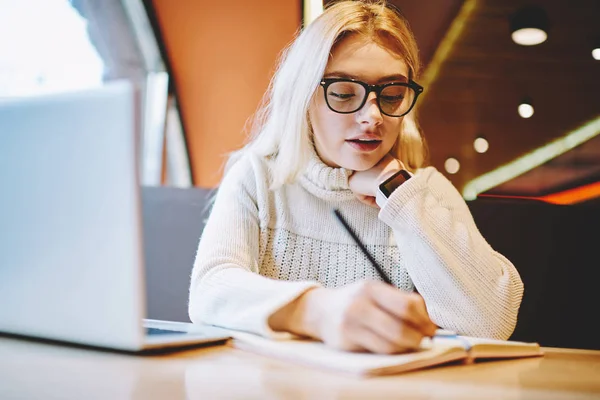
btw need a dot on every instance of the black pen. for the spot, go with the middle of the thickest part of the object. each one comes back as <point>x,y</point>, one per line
<point>361,246</point>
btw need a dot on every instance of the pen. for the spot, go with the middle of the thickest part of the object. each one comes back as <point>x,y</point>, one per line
<point>445,333</point>
<point>379,269</point>
<point>361,246</point>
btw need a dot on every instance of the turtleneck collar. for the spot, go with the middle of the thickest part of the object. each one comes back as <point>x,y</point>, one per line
<point>324,181</point>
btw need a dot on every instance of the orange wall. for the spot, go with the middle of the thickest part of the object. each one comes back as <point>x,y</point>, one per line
<point>222,55</point>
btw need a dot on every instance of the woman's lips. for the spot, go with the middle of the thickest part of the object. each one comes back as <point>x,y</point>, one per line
<point>364,145</point>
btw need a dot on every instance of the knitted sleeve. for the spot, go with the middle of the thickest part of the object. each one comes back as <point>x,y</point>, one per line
<point>467,286</point>
<point>226,289</point>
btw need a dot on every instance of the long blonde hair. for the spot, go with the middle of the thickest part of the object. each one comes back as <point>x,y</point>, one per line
<point>280,129</point>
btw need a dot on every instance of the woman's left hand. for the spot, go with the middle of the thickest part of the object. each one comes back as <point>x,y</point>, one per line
<point>364,184</point>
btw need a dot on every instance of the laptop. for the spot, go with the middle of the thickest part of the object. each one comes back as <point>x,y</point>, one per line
<point>71,241</point>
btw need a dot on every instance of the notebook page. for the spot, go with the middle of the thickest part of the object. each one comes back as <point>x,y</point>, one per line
<point>493,348</point>
<point>315,353</point>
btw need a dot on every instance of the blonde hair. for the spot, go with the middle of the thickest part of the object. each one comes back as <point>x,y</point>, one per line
<point>281,130</point>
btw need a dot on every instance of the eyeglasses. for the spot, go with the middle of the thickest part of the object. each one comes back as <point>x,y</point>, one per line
<point>346,96</point>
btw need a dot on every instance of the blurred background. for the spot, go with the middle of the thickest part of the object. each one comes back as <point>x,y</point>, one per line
<point>503,116</point>
<point>511,112</point>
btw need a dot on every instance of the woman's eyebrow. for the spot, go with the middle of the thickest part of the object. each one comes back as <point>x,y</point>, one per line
<point>338,74</point>
<point>393,78</point>
<point>387,78</point>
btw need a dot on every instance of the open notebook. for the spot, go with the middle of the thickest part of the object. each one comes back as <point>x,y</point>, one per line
<point>437,351</point>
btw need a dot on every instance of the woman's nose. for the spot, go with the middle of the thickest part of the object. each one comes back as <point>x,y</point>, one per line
<point>370,112</point>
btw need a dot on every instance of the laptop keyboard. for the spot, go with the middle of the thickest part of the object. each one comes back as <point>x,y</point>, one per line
<point>156,331</point>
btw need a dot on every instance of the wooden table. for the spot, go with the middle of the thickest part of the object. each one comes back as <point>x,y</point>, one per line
<point>32,370</point>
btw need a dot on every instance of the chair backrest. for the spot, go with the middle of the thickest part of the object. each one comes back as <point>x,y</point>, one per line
<point>557,259</point>
<point>173,222</point>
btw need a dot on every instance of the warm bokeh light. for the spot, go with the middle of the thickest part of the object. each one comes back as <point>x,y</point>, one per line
<point>525,110</point>
<point>596,53</point>
<point>529,36</point>
<point>481,145</point>
<point>452,165</point>
<point>531,160</point>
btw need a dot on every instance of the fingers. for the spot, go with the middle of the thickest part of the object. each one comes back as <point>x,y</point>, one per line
<point>375,343</point>
<point>394,334</point>
<point>375,317</point>
<point>408,307</point>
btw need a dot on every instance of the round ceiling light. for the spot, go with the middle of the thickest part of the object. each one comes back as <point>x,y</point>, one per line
<point>529,26</point>
<point>452,165</point>
<point>481,145</point>
<point>596,48</point>
<point>525,109</point>
<point>529,36</point>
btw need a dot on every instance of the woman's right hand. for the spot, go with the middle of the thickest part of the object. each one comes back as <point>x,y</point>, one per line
<point>364,316</point>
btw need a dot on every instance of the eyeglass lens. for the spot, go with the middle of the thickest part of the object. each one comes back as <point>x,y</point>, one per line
<point>347,97</point>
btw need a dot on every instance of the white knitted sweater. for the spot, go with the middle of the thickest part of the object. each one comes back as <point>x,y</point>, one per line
<point>261,249</point>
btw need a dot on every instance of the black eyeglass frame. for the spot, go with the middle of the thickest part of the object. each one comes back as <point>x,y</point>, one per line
<point>326,82</point>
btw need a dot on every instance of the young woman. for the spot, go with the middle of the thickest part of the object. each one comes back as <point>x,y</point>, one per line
<point>337,130</point>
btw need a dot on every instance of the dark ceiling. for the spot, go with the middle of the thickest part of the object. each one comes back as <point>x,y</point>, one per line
<point>484,77</point>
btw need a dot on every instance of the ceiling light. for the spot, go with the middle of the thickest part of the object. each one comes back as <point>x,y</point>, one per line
<point>481,145</point>
<point>596,49</point>
<point>452,165</point>
<point>529,26</point>
<point>526,108</point>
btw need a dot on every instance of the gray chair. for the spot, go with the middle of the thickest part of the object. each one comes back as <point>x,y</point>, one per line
<point>173,220</point>
<point>555,249</point>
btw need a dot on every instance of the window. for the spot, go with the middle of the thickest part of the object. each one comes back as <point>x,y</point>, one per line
<point>49,46</point>
<point>45,48</point>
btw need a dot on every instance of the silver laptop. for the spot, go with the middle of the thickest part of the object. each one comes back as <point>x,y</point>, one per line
<point>71,245</point>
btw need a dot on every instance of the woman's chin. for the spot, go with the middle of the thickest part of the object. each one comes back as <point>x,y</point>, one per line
<point>358,165</point>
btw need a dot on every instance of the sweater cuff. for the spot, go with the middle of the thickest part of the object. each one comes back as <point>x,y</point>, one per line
<point>392,211</point>
<point>243,300</point>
